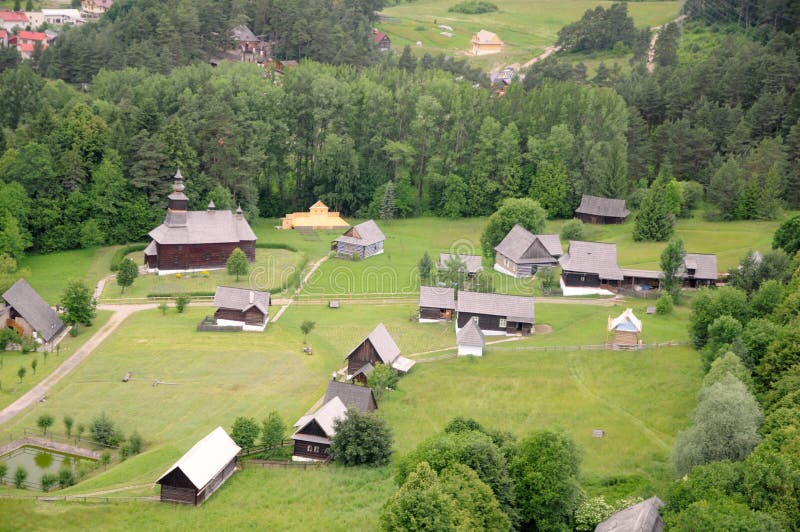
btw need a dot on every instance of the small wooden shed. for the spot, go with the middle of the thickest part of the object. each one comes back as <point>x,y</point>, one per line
<point>470,340</point>
<point>626,329</point>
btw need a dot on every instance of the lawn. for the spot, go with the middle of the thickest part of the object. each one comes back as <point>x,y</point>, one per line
<point>10,361</point>
<point>525,26</point>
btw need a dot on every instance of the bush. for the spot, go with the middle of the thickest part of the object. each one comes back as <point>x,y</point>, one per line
<point>245,432</point>
<point>104,431</point>
<point>66,478</point>
<point>47,481</point>
<point>181,301</point>
<point>20,476</point>
<point>131,447</point>
<point>473,7</point>
<point>361,439</point>
<point>573,230</point>
<point>664,304</point>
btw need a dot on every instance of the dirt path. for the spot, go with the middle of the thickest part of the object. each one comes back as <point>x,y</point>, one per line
<point>651,53</point>
<point>287,303</point>
<point>550,50</point>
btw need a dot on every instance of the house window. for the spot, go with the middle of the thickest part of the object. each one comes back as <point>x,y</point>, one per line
<point>310,448</point>
<point>475,320</point>
<point>503,323</point>
<point>316,448</point>
<point>583,278</point>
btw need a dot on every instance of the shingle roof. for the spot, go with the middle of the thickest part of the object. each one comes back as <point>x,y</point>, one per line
<point>473,262</point>
<point>325,417</point>
<point>436,297</point>
<point>151,248</point>
<point>518,242</point>
<point>34,309</point>
<point>368,233</point>
<point>206,458</point>
<point>592,257</point>
<point>471,335</point>
<point>241,298</point>
<point>642,274</point>
<point>383,343</point>
<point>521,308</point>
<point>598,206</point>
<point>204,227</point>
<point>641,517</point>
<point>360,397</point>
<point>705,266</point>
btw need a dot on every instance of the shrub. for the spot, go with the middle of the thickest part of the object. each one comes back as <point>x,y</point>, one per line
<point>473,7</point>
<point>66,478</point>
<point>181,301</point>
<point>573,230</point>
<point>361,439</point>
<point>131,447</point>
<point>664,304</point>
<point>47,481</point>
<point>20,476</point>
<point>104,431</point>
<point>245,432</point>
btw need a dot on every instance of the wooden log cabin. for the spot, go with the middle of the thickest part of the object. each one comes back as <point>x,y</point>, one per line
<point>590,268</point>
<point>313,433</point>
<point>521,253</point>
<point>377,348</point>
<point>27,313</point>
<point>496,314</point>
<point>472,263</point>
<point>597,210</point>
<point>698,270</point>
<point>201,471</point>
<point>242,306</point>
<point>436,304</point>
<point>363,240</point>
<point>352,395</point>
<point>197,240</point>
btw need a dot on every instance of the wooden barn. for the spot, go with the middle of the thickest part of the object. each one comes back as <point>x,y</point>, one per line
<point>473,263</point>
<point>625,329</point>
<point>201,471</point>
<point>521,252</point>
<point>436,304</point>
<point>27,313</point>
<point>242,306</point>
<point>312,437</point>
<point>377,348</point>
<point>496,314</point>
<point>698,270</point>
<point>352,395</point>
<point>197,240</point>
<point>363,240</point>
<point>597,210</point>
<point>470,340</point>
<point>590,268</point>
<point>641,517</point>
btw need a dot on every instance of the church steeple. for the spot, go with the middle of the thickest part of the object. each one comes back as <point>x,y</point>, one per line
<point>178,203</point>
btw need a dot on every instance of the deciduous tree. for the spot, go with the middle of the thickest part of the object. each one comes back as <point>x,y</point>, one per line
<point>237,263</point>
<point>128,271</point>
<point>361,439</point>
<point>524,211</point>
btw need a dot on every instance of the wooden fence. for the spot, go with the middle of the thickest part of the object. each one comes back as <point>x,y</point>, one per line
<point>282,464</point>
<point>79,498</point>
<point>261,448</point>
<point>595,347</point>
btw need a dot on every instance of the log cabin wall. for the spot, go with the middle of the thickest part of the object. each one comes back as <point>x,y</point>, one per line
<point>361,356</point>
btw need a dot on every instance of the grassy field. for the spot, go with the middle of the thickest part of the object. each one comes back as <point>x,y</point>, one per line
<point>525,26</point>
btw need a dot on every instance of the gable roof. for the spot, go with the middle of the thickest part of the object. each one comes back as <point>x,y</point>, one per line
<point>597,206</point>
<point>519,245</point>
<point>242,33</point>
<point>641,517</point>
<point>206,458</point>
<point>592,257</point>
<point>515,308</point>
<point>625,322</point>
<point>360,397</point>
<point>704,265</point>
<point>473,262</point>
<point>13,16</point>
<point>437,297</point>
<point>324,417</point>
<point>379,36</point>
<point>319,205</point>
<point>32,35</point>
<point>204,227</point>
<point>363,234</point>
<point>241,299</point>
<point>383,343</point>
<point>471,335</point>
<point>34,309</point>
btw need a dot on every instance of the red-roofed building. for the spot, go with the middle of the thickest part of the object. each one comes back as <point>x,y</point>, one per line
<point>13,19</point>
<point>382,40</point>
<point>25,42</point>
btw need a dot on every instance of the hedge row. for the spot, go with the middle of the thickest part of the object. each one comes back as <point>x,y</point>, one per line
<point>121,253</point>
<point>275,245</point>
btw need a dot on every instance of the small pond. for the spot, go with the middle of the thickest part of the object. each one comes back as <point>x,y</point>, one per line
<point>38,462</point>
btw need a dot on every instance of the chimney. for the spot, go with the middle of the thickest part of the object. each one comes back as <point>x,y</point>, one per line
<point>252,297</point>
<point>239,213</point>
<point>211,207</point>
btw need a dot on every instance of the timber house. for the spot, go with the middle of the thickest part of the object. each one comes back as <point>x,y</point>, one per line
<point>352,395</point>
<point>521,252</point>
<point>496,314</point>
<point>201,471</point>
<point>436,304</point>
<point>377,348</point>
<point>197,240</point>
<point>312,437</point>
<point>27,313</point>
<point>697,270</point>
<point>363,240</point>
<point>597,210</point>
<point>473,263</point>
<point>242,307</point>
<point>590,268</point>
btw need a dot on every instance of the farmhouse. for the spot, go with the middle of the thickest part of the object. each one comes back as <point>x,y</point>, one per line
<point>641,517</point>
<point>201,471</point>
<point>597,210</point>
<point>312,439</point>
<point>382,41</point>
<point>590,268</point>
<point>485,43</point>
<point>470,340</point>
<point>96,7</point>
<point>197,240</point>
<point>242,306</point>
<point>13,19</point>
<point>317,217</point>
<point>521,252</point>
<point>496,314</point>
<point>472,262</point>
<point>377,348</point>
<point>436,304</point>
<point>699,269</point>
<point>625,329</point>
<point>28,314</point>
<point>352,395</point>
<point>25,42</point>
<point>364,240</point>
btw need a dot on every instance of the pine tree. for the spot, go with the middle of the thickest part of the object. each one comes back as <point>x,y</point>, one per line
<point>655,219</point>
<point>387,208</point>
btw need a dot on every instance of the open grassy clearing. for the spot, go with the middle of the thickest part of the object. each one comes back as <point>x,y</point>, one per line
<point>525,26</point>
<point>12,388</point>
